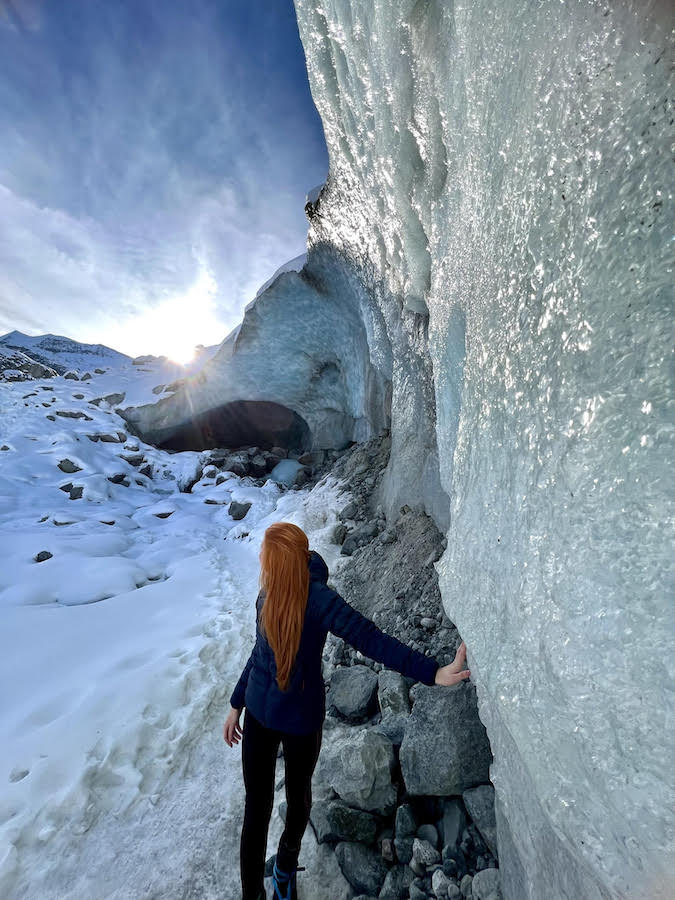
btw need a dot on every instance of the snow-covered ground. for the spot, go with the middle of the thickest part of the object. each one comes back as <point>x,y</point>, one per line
<point>118,653</point>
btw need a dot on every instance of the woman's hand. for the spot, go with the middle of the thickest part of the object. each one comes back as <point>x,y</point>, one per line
<point>454,673</point>
<point>232,731</point>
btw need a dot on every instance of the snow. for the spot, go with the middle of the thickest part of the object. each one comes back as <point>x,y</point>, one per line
<point>293,265</point>
<point>119,652</point>
<point>499,186</point>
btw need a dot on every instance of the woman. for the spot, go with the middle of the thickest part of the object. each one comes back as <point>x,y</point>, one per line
<point>283,691</point>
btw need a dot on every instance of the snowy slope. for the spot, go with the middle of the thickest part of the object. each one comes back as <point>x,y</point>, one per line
<point>62,353</point>
<point>118,651</point>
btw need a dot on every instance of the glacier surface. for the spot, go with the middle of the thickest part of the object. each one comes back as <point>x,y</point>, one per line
<point>497,214</point>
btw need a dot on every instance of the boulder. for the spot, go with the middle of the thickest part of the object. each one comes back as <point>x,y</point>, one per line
<point>42,556</point>
<point>73,376</point>
<point>335,821</point>
<point>428,833</point>
<point>358,767</point>
<point>486,885</point>
<point>445,749</point>
<point>352,693</point>
<point>258,466</point>
<point>405,823</point>
<point>480,804</point>
<point>362,866</point>
<point>238,510</point>
<point>452,823</point>
<point>393,728</point>
<point>425,853</point>
<point>439,884</point>
<point>392,693</point>
<point>465,885</point>
<point>69,467</point>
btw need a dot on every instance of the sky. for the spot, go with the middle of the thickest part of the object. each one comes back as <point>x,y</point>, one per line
<point>154,161</point>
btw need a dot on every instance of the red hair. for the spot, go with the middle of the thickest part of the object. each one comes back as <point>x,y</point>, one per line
<point>284,578</point>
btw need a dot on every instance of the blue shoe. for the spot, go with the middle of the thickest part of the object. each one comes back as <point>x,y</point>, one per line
<point>284,883</point>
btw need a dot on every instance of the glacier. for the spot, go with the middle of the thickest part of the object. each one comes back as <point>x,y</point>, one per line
<point>499,184</point>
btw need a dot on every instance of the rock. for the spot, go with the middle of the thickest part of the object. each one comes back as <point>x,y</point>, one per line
<point>117,478</point>
<point>281,452</point>
<point>348,512</point>
<point>428,833</point>
<point>66,488</point>
<point>439,884</point>
<point>480,804</point>
<point>387,850</point>
<point>42,556</point>
<point>392,693</point>
<point>147,470</point>
<point>403,847</point>
<point>76,492</point>
<point>86,376</point>
<point>417,893</point>
<point>99,371</point>
<point>258,466</point>
<point>445,749</point>
<point>454,862</point>
<point>428,623</point>
<point>237,464</point>
<point>396,884</point>
<point>4,447</point>
<point>238,510</point>
<point>333,820</point>
<point>405,824</point>
<point>134,459</point>
<point>465,885</point>
<point>339,533</point>
<point>158,389</point>
<point>486,885</point>
<point>425,853</point>
<point>78,396</point>
<point>359,768</point>
<point>352,693</point>
<point>71,414</point>
<point>393,728</point>
<point>452,823</point>
<point>69,467</point>
<point>164,515</point>
<point>454,892</point>
<point>362,866</point>
<point>73,376</point>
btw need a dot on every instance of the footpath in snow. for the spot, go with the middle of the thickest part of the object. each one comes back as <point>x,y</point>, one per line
<point>120,648</point>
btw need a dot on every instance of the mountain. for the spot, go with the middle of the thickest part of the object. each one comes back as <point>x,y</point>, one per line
<point>62,353</point>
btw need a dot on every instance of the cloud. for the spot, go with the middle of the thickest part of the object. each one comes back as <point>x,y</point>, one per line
<point>168,144</point>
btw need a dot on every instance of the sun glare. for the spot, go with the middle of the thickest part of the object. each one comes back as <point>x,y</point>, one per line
<point>174,327</point>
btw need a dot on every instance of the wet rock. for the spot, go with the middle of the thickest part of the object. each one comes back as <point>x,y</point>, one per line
<point>486,885</point>
<point>42,556</point>
<point>353,693</point>
<point>335,821</point>
<point>362,866</point>
<point>359,769</point>
<point>69,467</point>
<point>480,804</point>
<point>445,749</point>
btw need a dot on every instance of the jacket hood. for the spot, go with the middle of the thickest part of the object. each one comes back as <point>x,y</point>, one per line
<point>318,570</point>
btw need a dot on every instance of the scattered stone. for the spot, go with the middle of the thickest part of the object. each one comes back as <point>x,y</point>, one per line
<point>117,478</point>
<point>4,447</point>
<point>340,533</point>
<point>51,418</point>
<point>387,850</point>
<point>405,824</point>
<point>164,515</point>
<point>78,396</point>
<point>362,866</point>
<point>480,804</point>
<point>42,556</point>
<point>66,488</point>
<point>335,821</point>
<point>86,376</point>
<point>69,467</point>
<point>439,884</point>
<point>147,470</point>
<point>76,493</point>
<point>134,459</point>
<point>403,847</point>
<point>425,853</point>
<point>359,770</point>
<point>486,885</point>
<point>158,389</point>
<point>73,376</point>
<point>238,510</point>
<point>353,693</point>
<point>445,749</point>
<point>396,883</point>
<point>71,414</point>
<point>348,512</point>
<point>99,371</point>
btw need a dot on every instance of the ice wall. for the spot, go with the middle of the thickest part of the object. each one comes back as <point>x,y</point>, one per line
<point>499,183</point>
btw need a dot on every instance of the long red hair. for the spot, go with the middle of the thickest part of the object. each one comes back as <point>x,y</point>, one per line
<point>284,579</point>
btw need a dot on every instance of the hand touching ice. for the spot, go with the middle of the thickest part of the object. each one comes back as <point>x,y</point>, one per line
<point>455,672</point>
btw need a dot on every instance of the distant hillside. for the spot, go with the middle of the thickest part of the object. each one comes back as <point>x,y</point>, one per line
<point>62,353</point>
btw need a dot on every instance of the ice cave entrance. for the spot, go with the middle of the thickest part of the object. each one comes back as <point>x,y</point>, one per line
<point>242,423</point>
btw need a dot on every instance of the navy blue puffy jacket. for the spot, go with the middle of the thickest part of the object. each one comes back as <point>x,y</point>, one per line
<point>302,707</point>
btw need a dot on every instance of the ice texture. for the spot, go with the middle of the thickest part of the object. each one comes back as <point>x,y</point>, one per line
<point>498,205</point>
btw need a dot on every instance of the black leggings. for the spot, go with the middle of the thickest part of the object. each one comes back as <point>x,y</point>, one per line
<point>259,755</point>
